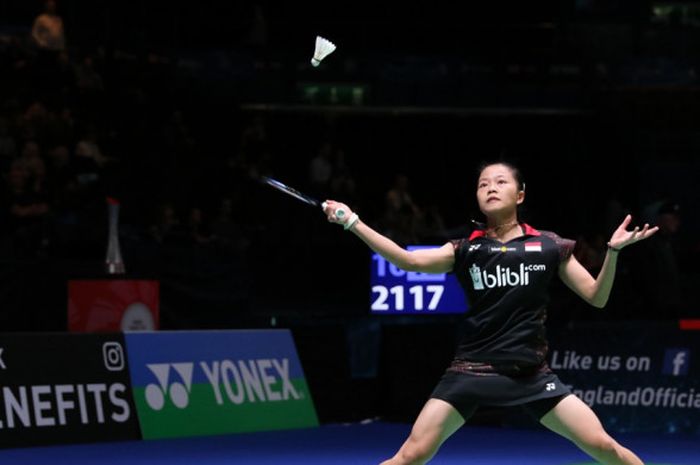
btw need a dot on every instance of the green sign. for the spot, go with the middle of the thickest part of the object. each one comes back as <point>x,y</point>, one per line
<point>218,382</point>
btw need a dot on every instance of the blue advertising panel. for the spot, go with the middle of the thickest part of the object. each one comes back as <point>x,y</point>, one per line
<point>638,377</point>
<point>396,291</point>
<point>216,382</point>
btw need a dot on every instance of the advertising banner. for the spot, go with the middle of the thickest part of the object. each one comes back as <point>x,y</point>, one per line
<point>216,382</point>
<point>64,388</point>
<point>636,377</point>
<point>112,305</point>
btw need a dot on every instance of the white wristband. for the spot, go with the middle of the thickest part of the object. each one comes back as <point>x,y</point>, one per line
<point>351,221</point>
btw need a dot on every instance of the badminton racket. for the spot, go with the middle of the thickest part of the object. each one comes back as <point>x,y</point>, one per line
<point>280,186</point>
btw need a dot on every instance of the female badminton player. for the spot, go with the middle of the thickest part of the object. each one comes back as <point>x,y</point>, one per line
<point>505,269</point>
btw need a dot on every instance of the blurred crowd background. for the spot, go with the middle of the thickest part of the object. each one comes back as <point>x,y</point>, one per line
<point>176,108</point>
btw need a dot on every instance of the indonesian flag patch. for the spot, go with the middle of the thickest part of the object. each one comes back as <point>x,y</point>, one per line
<point>533,247</point>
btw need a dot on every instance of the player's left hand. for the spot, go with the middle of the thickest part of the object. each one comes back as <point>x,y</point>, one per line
<point>622,237</point>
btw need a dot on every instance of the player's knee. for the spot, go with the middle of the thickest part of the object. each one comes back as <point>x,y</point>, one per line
<point>416,452</point>
<point>414,456</point>
<point>601,446</point>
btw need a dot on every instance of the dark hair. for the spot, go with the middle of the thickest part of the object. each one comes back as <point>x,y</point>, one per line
<point>515,171</point>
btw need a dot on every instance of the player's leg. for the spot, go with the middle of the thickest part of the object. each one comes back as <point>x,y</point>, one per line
<point>574,420</point>
<point>436,422</point>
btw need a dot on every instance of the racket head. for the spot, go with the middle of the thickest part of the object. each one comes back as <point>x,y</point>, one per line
<point>280,186</point>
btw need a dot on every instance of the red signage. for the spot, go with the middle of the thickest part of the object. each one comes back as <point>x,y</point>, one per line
<point>109,305</point>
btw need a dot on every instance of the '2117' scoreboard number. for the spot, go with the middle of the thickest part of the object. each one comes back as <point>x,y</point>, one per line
<point>396,291</point>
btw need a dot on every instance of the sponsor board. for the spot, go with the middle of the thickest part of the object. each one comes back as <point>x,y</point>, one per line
<point>217,382</point>
<point>64,388</point>
<point>636,377</point>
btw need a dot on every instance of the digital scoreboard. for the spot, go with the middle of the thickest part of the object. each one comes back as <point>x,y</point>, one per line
<point>396,291</point>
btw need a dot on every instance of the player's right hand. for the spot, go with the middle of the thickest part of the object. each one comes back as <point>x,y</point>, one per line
<point>332,207</point>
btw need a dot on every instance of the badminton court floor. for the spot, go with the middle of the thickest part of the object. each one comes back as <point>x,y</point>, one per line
<point>355,444</point>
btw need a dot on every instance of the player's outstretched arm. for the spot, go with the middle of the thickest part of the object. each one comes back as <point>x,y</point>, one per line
<point>597,291</point>
<point>439,260</point>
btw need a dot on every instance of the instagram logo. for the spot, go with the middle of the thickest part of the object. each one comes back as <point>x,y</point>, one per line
<point>113,356</point>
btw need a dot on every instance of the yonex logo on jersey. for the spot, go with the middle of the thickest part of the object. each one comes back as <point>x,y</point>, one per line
<point>474,247</point>
<point>503,277</point>
<point>550,387</point>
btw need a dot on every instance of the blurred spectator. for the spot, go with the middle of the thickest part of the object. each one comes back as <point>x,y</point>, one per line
<point>61,128</point>
<point>400,212</point>
<point>62,183</point>
<point>88,80</point>
<point>89,167</point>
<point>35,166</point>
<point>199,229</point>
<point>27,210</point>
<point>49,37</point>
<point>167,227</point>
<point>343,184</point>
<point>659,278</point>
<point>254,156</point>
<point>254,139</point>
<point>177,135</point>
<point>615,212</point>
<point>227,231</point>
<point>62,189</point>
<point>32,124</point>
<point>47,30</point>
<point>64,77</point>
<point>88,149</point>
<point>321,169</point>
<point>8,146</point>
<point>257,30</point>
<point>590,251</point>
<point>430,226</point>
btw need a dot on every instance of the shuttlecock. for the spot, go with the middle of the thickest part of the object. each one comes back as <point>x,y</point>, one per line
<point>324,47</point>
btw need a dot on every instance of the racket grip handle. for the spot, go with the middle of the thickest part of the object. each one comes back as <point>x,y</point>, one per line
<point>339,212</point>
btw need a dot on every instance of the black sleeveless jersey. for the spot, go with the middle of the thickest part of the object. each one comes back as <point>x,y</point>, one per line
<point>507,287</point>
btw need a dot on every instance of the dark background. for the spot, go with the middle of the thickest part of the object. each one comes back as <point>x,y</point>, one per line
<point>596,101</point>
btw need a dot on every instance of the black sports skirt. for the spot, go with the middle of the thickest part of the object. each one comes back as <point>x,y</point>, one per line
<point>466,385</point>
